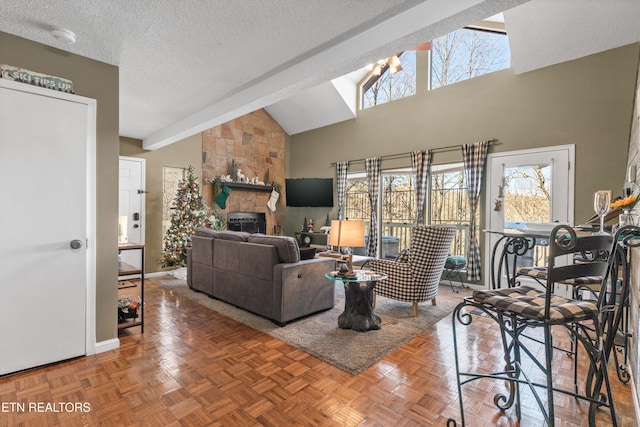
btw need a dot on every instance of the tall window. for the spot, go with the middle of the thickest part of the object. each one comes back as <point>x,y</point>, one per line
<point>447,204</point>
<point>398,209</point>
<point>389,86</point>
<point>357,204</point>
<point>467,53</point>
<point>397,203</point>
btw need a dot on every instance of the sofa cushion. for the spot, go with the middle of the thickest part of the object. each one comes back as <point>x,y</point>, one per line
<point>236,236</point>
<point>202,250</point>
<point>206,232</point>
<point>287,247</point>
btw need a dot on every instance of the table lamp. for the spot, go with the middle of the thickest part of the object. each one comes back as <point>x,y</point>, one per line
<point>347,233</point>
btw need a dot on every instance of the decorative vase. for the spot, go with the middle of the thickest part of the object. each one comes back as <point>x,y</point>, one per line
<point>626,218</point>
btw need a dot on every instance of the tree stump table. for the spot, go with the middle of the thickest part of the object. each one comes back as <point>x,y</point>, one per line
<point>358,300</point>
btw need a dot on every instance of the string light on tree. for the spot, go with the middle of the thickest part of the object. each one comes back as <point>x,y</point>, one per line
<point>188,212</point>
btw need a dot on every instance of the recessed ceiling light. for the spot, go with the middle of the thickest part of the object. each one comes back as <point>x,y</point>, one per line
<point>64,34</point>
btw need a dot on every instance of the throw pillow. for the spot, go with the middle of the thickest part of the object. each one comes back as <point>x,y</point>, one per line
<point>403,256</point>
<point>455,262</point>
<point>307,253</point>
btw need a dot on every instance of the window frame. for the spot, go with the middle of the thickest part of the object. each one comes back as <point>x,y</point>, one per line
<point>436,169</point>
<point>370,79</point>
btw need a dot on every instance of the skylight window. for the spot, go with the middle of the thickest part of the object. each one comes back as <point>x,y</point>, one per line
<point>389,86</point>
<point>467,53</point>
<point>461,55</point>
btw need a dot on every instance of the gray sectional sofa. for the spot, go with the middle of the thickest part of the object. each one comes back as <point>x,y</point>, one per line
<point>259,273</point>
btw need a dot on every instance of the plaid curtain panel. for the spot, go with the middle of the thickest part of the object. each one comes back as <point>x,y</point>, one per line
<point>372,167</point>
<point>474,156</point>
<point>341,186</point>
<point>421,165</point>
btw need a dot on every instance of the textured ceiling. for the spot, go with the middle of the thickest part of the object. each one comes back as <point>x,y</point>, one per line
<point>191,64</point>
<point>547,32</point>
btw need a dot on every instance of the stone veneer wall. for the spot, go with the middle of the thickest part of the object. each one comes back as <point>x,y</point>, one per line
<point>633,181</point>
<point>256,142</point>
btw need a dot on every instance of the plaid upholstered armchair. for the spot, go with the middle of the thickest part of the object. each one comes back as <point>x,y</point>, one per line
<point>414,277</point>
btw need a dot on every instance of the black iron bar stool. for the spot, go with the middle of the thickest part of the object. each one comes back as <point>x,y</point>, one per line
<point>591,323</point>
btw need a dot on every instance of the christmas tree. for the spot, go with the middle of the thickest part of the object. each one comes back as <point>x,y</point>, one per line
<point>188,213</point>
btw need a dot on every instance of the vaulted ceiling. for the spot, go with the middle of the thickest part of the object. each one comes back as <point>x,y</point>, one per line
<point>189,65</point>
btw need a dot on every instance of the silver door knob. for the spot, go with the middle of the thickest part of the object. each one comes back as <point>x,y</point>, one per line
<point>76,244</point>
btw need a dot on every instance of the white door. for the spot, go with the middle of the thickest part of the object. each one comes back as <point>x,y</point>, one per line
<point>131,206</point>
<point>528,186</point>
<point>45,224</point>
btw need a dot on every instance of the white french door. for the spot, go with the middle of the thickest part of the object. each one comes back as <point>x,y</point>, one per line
<point>528,186</point>
<point>131,206</point>
<point>47,230</point>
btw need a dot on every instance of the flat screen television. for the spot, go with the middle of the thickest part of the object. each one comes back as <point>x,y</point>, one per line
<point>309,192</point>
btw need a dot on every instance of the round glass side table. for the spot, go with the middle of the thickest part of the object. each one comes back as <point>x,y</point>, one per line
<point>358,300</point>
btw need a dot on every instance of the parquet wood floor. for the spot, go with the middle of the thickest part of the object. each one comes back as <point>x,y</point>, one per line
<point>195,367</point>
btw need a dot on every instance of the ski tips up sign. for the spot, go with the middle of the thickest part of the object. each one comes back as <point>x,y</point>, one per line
<point>10,72</point>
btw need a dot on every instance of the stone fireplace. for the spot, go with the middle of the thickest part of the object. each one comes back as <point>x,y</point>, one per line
<point>256,143</point>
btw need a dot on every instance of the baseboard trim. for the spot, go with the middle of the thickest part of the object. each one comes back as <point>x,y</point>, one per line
<point>159,273</point>
<point>634,394</point>
<point>107,345</point>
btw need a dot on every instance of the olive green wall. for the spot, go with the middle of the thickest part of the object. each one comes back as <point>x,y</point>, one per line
<point>99,81</point>
<point>180,154</point>
<point>587,102</point>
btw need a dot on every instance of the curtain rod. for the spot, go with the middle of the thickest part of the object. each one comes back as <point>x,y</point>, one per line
<point>493,141</point>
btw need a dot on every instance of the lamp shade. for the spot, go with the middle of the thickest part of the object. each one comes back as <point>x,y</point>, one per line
<point>347,233</point>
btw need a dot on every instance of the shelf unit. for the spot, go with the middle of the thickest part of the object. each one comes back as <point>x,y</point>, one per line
<point>124,272</point>
<point>317,239</point>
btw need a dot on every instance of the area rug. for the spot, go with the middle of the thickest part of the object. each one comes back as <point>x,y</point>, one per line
<point>319,334</point>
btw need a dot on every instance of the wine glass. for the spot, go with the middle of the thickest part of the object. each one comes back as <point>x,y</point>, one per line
<point>601,202</point>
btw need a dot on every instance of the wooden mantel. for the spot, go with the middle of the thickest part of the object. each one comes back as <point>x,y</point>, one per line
<point>242,185</point>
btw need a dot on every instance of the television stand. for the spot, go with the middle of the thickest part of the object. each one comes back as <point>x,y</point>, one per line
<point>306,239</point>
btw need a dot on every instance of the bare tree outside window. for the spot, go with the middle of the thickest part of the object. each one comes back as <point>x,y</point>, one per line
<point>467,53</point>
<point>448,198</point>
<point>457,56</point>
<point>357,200</point>
<point>527,193</point>
<point>398,204</point>
<point>447,201</point>
<point>391,86</point>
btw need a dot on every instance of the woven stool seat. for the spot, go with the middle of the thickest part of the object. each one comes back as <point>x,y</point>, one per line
<point>529,303</point>
<point>540,273</point>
